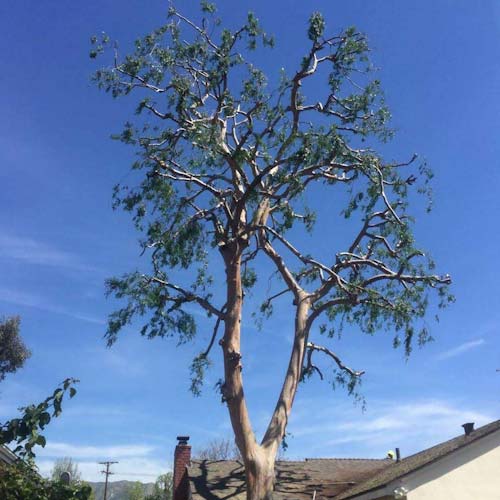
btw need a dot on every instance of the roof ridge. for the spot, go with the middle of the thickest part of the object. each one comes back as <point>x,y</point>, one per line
<point>421,459</point>
<point>478,433</point>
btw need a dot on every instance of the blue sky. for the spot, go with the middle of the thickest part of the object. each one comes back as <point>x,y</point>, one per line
<point>59,238</point>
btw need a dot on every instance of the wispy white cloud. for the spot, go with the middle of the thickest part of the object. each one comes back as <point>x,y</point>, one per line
<point>123,359</point>
<point>30,300</point>
<point>7,410</point>
<point>55,449</point>
<point>461,349</point>
<point>15,394</point>
<point>136,462</point>
<point>413,426</point>
<point>101,413</point>
<point>125,365</point>
<point>31,251</point>
<point>145,470</point>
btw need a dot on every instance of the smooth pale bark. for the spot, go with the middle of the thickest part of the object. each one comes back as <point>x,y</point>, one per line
<point>259,459</point>
<point>279,420</point>
<point>232,390</point>
<point>260,475</point>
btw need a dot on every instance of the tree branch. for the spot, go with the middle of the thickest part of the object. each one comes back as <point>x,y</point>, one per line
<point>338,361</point>
<point>188,295</point>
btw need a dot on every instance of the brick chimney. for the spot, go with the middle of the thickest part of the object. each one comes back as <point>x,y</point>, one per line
<point>182,459</point>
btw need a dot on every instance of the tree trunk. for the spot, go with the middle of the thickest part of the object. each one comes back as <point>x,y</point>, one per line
<point>232,390</point>
<point>277,426</point>
<point>260,475</point>
<point>260,459</point>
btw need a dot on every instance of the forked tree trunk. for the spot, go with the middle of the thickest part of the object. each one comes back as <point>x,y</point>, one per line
<point>260,477</point>
<point>259,459</point>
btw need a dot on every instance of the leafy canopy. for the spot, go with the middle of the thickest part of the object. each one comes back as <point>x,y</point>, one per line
<point>13,351</point>
<point>226,159</point>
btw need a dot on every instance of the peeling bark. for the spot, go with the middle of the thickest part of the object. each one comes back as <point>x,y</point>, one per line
<point>279,420</point>
<point>260,459</point>
<point>260,475</point>
<point>233,380</point>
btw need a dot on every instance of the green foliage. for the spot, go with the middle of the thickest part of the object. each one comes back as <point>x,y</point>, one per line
<point>199,366</point>
<point>145,296</point>
<point>13,351</point>
<point>25,431</point>
<point>20,481</point>
<point>135,492</point>
<point>207,7</point>
<point>66,464</point>
<point>226,160</point>
<point>163,488</point>
<point>316,26</point>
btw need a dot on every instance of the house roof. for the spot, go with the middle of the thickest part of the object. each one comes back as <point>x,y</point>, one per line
<point>7,456</point>
<point>415,462</point>
<point>331,478</point>
<point>297,480</point>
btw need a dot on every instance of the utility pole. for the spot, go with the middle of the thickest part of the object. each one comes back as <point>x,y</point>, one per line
<point>108,473</point>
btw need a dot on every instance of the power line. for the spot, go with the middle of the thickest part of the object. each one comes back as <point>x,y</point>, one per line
<point>108,473</point>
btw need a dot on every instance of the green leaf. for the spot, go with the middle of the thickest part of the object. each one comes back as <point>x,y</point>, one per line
<point>316,26</point>
<point>41,441</point>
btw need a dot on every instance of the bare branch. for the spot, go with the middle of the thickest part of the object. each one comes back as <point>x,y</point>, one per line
<point>338,361</point>
<point>188,296</point>
<point>201,31</point>
<point>214,335</point>
<point>280,264</point>
<point>310,366</point>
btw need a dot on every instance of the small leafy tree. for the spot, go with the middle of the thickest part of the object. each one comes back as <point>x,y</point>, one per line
<point>66,464</point>
<point>13,351</point>
<point>162,489</point>
<point>227,158</point>
<point>135,491</point>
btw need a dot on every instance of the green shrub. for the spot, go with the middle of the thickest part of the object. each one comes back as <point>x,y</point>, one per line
<point>21,482</point>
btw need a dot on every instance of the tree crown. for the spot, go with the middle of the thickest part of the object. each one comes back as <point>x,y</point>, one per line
<point>226,158</point>
<point>13,351</point>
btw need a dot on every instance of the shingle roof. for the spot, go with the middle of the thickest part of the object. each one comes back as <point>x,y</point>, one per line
<point>297,480</point>
<point>331,478</point>
<point>417,461</point>
<point>7,456</point>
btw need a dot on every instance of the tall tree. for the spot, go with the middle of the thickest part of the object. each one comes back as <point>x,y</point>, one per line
<point>227,158</point>
<point>162,489</point>
<point>13,351</point>
<point>66,464</point>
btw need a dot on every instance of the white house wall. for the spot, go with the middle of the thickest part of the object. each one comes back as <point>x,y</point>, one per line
<point>471,473</point>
